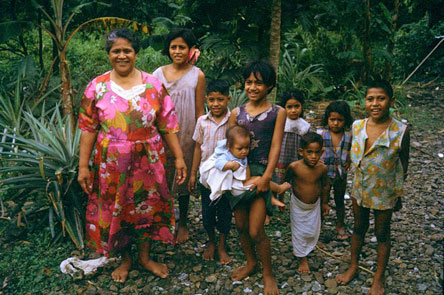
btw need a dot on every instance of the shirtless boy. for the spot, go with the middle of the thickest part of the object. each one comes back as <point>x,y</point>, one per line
<point>309,195</point>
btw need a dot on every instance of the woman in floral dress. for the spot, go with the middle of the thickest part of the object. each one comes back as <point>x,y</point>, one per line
<point>124,115</point>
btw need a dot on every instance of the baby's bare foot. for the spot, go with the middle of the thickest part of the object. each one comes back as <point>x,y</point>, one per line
<point>276,202</point>
<point>182,234</point>
<point>243,272</point>
<point>303,265</point>
<point>270,286</point>
<point>121,272</point>
<point>224,258</point>
<point>208,254</point>
<point>158,269</point>
<point>345,277</point>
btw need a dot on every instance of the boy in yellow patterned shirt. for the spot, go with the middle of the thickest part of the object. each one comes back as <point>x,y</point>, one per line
<point>380,155</point>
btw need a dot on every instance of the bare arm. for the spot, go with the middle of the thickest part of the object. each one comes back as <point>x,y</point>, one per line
<point>196,161</point>
<point>173,143</point>
<point>404,154</point>
<point>87,140</point>
<point>325,189</point>
<point>200,94</point>
<point>232,119</point>
<point>263,184</point>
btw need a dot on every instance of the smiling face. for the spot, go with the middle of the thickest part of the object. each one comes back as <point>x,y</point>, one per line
<point>122,56</point>
<point>336,122</point>
<point>377,104</point>
<point>311,154</point>
<point>179,50</point>
<point>240,147</point>
<point>293,108</point>
<point>255,88</point>
<point>217,103</point>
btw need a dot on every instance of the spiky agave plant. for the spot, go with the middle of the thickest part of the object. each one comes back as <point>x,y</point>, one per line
<point>44,160</point>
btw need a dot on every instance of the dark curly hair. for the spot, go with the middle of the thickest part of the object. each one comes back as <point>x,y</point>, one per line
<point>340,107</point>
<point>186,34</point>
<point>124,33</point>
<point>264,68</point>
<point>294,93</point>
<point>380,84</point>
<point>311,137</point>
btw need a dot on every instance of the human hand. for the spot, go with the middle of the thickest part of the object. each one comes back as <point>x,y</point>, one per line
<point>181,171</point>
<point>346,166</point>
<point>192,183</point>
<point>84,179</point>
<point>325,209</point>
<point>262,184</point>
<point>398,205</point>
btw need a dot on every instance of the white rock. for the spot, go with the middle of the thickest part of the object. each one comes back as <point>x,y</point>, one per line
<point>441,155</point>
<point>373,240</point>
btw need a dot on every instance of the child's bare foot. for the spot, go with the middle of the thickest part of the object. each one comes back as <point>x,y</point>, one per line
<point>208,254</point>
<point>342,234</point>
<point>377,288</point>
<point>276,202</point>
<point>303,265</point>
<point>243,272</point>
<point>182,234</point>
<point>345,277</point>
<point>282,188</point>
<point>224,258</point>
<point>121,272</point>
<point>267,218</point>
<point>158,269</point>
<point>270,286</point>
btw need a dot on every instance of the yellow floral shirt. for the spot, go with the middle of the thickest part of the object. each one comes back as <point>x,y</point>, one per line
<point>378,174</point>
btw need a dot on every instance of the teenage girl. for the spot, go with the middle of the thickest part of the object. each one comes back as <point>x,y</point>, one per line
<point>266,125</point>
<point>186,85</point>
<point>337,144</point>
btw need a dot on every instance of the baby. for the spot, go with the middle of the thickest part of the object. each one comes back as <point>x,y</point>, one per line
<point>227,169</point>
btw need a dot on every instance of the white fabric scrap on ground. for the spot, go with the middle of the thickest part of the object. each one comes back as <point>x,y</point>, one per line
<point>73,265</point>
<point>305,225</point>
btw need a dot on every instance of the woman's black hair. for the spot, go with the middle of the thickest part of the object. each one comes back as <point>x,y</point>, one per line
<point>264,68</point>
<point>236,131</point>
<point>124,33</point>
<point>311,137</point>
<point>340,107</point>
<point>294,93</point>
<point>186,34</point>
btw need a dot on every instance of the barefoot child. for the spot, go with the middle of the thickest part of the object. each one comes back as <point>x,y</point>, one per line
<point>380,155</point>
<point>211,128</point>
<point>185,84</point>
<point>337,145</point>
<point>309,196</point>
<point>266,125</point>
<point>227,170</point>
<point>295,127</point>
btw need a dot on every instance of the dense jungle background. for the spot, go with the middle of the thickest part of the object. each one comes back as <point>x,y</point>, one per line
<point>51,49</point>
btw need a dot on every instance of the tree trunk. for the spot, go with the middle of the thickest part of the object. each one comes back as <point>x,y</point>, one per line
<point>366,48</point>
<point>42,65</point>
<point>66,88</point>
<point>391,44</point>
<point>275,41</point>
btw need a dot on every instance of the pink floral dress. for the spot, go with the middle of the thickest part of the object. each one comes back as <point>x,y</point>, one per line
<point>130,200</point>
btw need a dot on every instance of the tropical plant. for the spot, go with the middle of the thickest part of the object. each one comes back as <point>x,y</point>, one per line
<point>238,97</point>
<point>44,161</point>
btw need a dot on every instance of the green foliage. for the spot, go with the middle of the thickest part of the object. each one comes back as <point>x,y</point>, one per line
<point>238,97</point>
<point>44,160</point>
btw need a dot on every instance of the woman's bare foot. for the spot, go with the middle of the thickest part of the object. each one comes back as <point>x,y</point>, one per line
<point>270,286</point>
<point>158,269</point>
<point>121,272</point>
<point>276,202</point>
<point>243,272</point>
<point>303,265</point>
<point>208,254</point>
<point>345,277</point>
<point>224,258</point>
<point>377,288</point>
<point>283,188</point>
<point>182,234</point>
